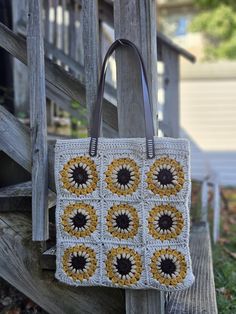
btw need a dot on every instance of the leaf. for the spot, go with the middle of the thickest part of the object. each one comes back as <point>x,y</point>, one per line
<point>75,104</point>
<point>232,254</point>
<point>232,220</point>
<point>226,227</point>
<point>225,292</point>
<point>223,241</point>
<point>221,290</point>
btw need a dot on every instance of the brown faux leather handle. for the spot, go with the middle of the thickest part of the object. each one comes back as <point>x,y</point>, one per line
<point>97,113</point>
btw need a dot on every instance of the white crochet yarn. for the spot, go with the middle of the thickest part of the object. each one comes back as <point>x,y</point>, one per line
<point>142,200</point>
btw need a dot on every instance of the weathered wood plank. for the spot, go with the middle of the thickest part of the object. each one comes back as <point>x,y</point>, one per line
<point>24,189</point>
<point>132,22</point>
<point>15,139</point>
<point>47,33</point>
<point>20,76</point>
<point>136,21</point>
<point>91,57</point>
<point>58,81</point>
<point>79,34</point>
<point>15,142</point>
<point>204,200</point>
<point>63,26</point>
<point>20,189</point>
<point>64,102</point>
<point>216,208</point>
<point>19,265</point>
<point>64,58</point>
<point>76,66</point>
<point>55,23</point>
<point>15,204</point>
<point>38,122</point>
<point>46,5</point>
<point>72,29</point>
<point>56,76</point>
<point>200,297</point>
<point>171,115</point>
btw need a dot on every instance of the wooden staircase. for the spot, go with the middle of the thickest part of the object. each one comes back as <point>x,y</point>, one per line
<point>22,262</point>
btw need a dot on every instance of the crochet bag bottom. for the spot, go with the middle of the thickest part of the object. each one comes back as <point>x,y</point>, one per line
<point>99,258</point>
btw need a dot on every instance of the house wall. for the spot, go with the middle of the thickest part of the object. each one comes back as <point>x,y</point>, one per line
<point>208,113</point>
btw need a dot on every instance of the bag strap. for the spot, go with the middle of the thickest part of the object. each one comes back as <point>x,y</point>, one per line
<point>97,112</point>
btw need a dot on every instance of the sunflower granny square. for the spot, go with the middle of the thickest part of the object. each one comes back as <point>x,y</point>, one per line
<point>122,219</point>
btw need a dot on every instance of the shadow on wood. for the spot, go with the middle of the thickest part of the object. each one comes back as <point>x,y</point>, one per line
<point>23,271</point>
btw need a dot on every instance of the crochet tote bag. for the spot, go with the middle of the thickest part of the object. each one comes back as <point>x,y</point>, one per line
<point>122,212</point>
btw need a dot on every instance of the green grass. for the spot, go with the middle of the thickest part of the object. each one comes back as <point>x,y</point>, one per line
<point>223,263</point>
<point>225,280</point>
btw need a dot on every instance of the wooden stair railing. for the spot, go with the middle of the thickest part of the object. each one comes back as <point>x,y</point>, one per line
<point>23,269</point>
<point>60,85</point>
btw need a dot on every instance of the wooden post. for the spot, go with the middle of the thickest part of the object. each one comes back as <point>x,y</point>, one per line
<point>136,20</point>
<point>38,121</point>
<point>171,86</point>
<point>91,55</point>
<point>216,209</point>
<point>20,77</point>
<point>79,48</point>
<point>204,201</point>
<point>63,32</point>
<point>72,29</point>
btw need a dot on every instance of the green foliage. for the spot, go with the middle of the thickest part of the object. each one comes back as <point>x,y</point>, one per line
<point>21,115</point>
<point>225,277</point>
<point>75,104</point>
<point>210,4</point>
<point>218,24</point>
<point>224,257</point>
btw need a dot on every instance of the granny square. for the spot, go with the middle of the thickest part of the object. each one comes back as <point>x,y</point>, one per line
<point>122,219</point>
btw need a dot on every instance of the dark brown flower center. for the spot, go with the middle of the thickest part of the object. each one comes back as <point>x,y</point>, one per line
<point>123,176</point>
<point>165,177</point>
<point>124,266</point>
<point>122,221</point>
<point>80,175</point>
<point>79,220</point>
<point>168,266</point>
<point>165,222</point>
<point>78,262</point>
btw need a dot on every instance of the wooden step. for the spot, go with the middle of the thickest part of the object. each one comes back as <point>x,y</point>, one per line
<point>21,189</point>
<point>201,297</point>
<point>24,271</point>
<point>19,265</point>
<point>24,189</point>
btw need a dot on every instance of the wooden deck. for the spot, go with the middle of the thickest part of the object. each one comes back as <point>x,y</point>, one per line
<point>200,298</point>
<point>23,271</point>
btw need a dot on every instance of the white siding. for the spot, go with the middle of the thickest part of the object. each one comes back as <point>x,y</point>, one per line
<point>208,114</point>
